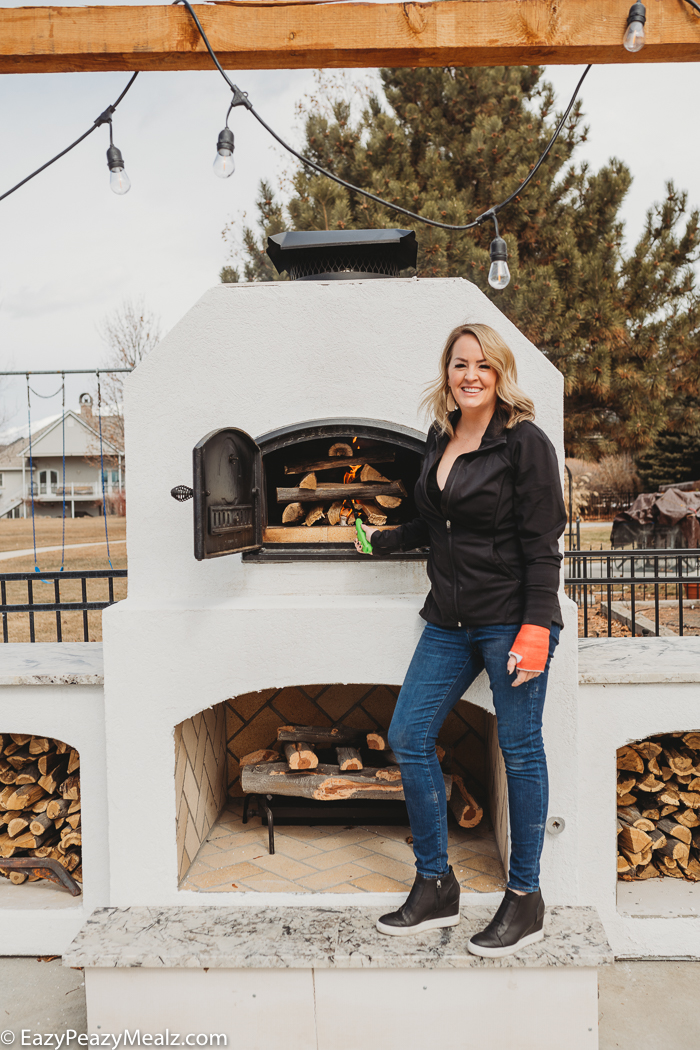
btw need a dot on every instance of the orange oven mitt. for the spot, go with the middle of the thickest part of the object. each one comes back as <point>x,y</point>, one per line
<point>531,647</point>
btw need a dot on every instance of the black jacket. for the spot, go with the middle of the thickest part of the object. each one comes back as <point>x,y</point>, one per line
<point>494,550</point>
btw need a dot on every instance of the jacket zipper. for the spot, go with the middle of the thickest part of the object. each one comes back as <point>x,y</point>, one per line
<point>454,573</point>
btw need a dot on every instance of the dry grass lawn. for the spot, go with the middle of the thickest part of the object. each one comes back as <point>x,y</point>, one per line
<point>16,534</point>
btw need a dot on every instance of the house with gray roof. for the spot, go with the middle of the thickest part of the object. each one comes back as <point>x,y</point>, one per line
<point>42,479</point>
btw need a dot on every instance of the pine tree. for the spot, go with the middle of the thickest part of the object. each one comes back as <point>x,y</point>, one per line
<point>623,328</point>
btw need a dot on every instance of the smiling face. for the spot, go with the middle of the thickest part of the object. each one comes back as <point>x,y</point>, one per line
<point>471,379</point>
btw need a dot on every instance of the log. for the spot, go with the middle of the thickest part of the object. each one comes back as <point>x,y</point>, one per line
<point>40,823</point>
<point>389,502</point>
<point>6,815</point>
<point>677,831</point>
<point>27,840</point>
<point>323,784</point>
<point>689,817</point>
<point>348,758</point>
<point>347,515</point>
<point>314,515</point>
<point>20,738</point>
<point>466,809</point>
<point>651,814</point>
<point>17,825</point>
<point>633,840</point>
<point>377,742</point>
<point>691,799</point>
<point>684,778</point>
<point>649,872</point>
<point>8,846</point>
<point>626,800</point>
<point>300,755</point>
<point>650,783</point>
<point>73,762</point>
<point>19,759</point>
<point>308,482</point>
<point>38,745</point>
<point>337,461</point>
<point>73,820</point>
<point>28,775</point>
<point>667,866</point>
<point>373,513</point>
<point>346,492</point>
<point>679,762</point>
<point>333,512</point>
<point>658,838</point>
<point>24,796</point>
<point>440,752</point>
<point>48,762</point>
<point>628,758</point>
<point>667,810</point>
<point>8,774</point>
<point>665,773</point>
<point>648,749</point>
<point>623,864</point>
<point>626,783</point>
<point>50,781</point>
<point>322,736</point>
<point>57,807</point>
<point>340,448</point>
<point>70,788</point>
<point>674,849</point>
<point>71,837</point>
<point>256,758</point>
<point>292,512</point>
<point>368,473</point>
<point>633,858</point>
<point>692,740</point>
<point>5,795</point>
<point>61,747</point>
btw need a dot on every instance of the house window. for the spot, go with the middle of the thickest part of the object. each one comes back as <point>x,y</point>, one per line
<point>52,476</point>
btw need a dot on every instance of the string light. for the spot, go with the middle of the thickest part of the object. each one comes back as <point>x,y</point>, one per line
<point>634,38</point>
<point>499,274</point>
<point>224,164</point>
<point>104,118</point>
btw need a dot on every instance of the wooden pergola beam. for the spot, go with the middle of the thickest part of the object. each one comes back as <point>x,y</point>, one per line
<point>302,35</point>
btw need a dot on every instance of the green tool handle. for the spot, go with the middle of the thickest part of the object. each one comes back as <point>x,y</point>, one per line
<point>364,542</point>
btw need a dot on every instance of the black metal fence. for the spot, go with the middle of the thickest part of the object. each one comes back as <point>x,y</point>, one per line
<point>41,585</point>
<point>644,592</point>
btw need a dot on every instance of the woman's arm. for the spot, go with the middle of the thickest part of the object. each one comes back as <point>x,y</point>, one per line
<point>541,520</point>
<point>403,538</point>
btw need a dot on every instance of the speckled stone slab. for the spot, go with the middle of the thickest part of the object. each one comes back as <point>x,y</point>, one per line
<point>616,661</point>
<point>52,663</point>
<point>319,938</point>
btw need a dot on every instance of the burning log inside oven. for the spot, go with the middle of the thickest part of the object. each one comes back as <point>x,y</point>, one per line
<point>40,809</point>
<point>658,808</point>
<point>326,783</point>
<point>338,460</point>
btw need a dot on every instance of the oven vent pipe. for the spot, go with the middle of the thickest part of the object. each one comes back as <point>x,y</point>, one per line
<point>342,255</point>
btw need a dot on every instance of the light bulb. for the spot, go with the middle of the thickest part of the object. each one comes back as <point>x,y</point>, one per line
<point>119,181</point>
<point>499,274</point>
<point>634,38</point>
<point>224,164</point>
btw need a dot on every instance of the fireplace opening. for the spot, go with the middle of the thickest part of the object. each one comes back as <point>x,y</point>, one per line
<point>320,477</point>
<point>658,809</point>
<point>343,851</point>
<point>40,817</point>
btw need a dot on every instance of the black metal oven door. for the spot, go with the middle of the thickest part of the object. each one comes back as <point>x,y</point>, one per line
<point>227,494</point>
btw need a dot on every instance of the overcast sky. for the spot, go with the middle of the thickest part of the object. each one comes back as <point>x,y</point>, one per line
<point>72,250</point>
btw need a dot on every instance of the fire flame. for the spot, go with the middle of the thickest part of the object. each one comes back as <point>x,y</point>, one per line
<point>350,474</point>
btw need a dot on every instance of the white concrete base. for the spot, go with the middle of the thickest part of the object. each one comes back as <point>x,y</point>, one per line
<point>305,1009</point>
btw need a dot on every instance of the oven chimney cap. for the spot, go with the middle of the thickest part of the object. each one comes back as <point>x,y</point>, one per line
<point>339,255</point>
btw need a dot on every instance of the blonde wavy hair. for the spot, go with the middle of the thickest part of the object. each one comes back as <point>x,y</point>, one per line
<point>437,398</point>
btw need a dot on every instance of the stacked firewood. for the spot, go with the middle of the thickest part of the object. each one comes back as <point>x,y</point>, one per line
<point>364,767</point>
<point>39,803</point>
<point>658,808</point>
<point>360,490</point>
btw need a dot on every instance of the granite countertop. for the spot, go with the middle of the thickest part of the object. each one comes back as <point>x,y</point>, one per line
<point>322,938</point>
<point>613,661</point>
<point>51,663</point>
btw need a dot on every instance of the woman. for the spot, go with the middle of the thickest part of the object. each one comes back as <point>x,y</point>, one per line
<point>491,510</point>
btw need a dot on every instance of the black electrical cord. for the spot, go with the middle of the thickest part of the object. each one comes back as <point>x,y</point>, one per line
<point>104,118</point>
<point>240,98</point>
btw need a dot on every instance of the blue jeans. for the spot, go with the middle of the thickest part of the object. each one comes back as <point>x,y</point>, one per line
<point>444,665</point>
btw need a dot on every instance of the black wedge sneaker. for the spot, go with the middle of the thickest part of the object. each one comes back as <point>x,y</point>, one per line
<point>517,923</point>
<point>431,904</point>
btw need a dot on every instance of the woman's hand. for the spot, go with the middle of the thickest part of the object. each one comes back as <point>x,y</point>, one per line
<point>522,676</point>
<point>368,534</point>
